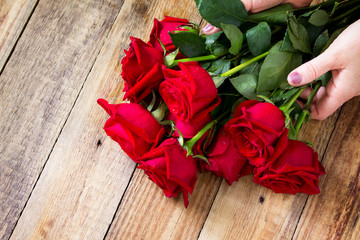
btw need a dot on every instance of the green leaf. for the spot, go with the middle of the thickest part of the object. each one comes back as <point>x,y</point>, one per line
<point>286,45</point>
<point>212,38</point>
<point>253,68</point>
<point>276,67</point>
<point>222,11</point>
<point>235,36</point>
<point>320,43</point>
<point>170,58</point>
<point>325,78</point>
<point>259,38</point>
<point>219,67</point>
<point>333,37</point>
<point>319,18</point>
<point>284,95</point>
<point>214,43</point>
<point>246,85</point>
<point>275,15</point>
<point>191,45</point>
<point>298,36</point>
<point>218,81</point>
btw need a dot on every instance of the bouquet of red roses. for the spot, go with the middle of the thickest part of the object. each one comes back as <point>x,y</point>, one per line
<point>221,103</point>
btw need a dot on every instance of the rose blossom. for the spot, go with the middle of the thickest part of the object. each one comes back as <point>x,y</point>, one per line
<point>256,126</point>
<point>141,70</point>
<point>133,127</point>
<point>190,92</point>
<point>293,168</point>
<point>226,160</point>
<point>161,31</point>
<point>170,168</point>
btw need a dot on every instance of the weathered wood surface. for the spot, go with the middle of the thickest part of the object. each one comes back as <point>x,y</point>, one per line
<point>334,214</point>
<point>38,89</point>
<point>82,183</point>
<point>14,15</point>
<point>62,178</point>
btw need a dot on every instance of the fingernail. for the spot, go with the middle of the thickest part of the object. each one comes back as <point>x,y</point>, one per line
<point>208,28</point>
<point>295,78</point>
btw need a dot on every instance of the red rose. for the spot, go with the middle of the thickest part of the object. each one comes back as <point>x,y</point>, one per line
<point>190,92</point>
<point>141,70</point>
<point>294,168</point>
<point>168,166</point>
<point>191,128</point>
<point>161,31</point>
<point>226,160</point>
<point>133,127</point>
<point>256,126</point>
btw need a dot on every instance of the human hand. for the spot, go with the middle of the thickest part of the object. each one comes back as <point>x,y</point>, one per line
<point>342,57</point>
<point>257,6</point>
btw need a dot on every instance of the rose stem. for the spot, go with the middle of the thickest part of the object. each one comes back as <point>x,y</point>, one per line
<point>196,59</point>
<point>243,65</point>
<point>306,110</point>
<point>288,104</point>
<point>190,144</point>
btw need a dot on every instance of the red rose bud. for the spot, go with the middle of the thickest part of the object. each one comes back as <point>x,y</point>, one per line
<point>294,168</point>
<point>168,166</point>
<point>226,160</point>
<point>190,92</point>
<point>133,127</point>
<point>255,127</point>
<point>161,31</point>
<point>141,70</point>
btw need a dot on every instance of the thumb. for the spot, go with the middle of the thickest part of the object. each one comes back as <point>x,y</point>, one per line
<point>311,70</point>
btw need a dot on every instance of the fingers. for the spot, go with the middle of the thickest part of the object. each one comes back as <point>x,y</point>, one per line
<point>329,100</point>
<point>210,29</point>
<point>313,69</point>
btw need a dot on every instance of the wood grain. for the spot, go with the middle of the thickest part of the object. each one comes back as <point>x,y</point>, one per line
<point>13,17</point>
<point>334,214</point>
<point>83,182</point>
<point>38,88</point>
<point>246,210</point>
<point>145,212</point>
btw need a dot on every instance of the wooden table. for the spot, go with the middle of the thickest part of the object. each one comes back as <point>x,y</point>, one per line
<point>63,178</point>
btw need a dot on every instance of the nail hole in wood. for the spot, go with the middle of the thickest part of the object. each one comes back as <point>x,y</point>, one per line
<point>98,144</point>
<point>261,200</point>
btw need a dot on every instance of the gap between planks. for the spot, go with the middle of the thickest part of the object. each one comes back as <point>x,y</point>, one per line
<point>18,37</point>
<point>66,119</point>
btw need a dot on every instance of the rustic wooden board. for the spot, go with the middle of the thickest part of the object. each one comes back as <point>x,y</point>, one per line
<point>334,214</point>
<point>246,210</point>
<point>13,17</point>
<point>38,88</point>
<point>87,173</point>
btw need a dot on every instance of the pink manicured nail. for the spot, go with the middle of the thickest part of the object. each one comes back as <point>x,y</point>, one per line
<point>295,78</point>
<point>208,28</point>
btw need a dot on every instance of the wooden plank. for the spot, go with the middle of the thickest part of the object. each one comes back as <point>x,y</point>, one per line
<point>246,210</point>
<point>38,88</point>
<point>334,214</point>
<point>145,213</point>
<point>86,175</point>
<point>13,17</point>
